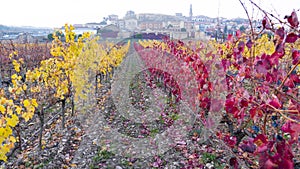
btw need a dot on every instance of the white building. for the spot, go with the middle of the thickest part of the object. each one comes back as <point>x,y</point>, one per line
<point>131,23</point>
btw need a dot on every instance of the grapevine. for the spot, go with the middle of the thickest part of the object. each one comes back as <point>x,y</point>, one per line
<point>263,83</point>
<point>62,72</point>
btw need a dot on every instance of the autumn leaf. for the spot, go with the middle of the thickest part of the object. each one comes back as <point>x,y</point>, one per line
<point>18,109</point>
<point>34,103</point>
<point>14,76</point>
<point>26,103</point>
<point>12,139</point>
<point>13,121</point>
<point>24,87</point>
<point>16,65</point>
<point>2,109</point>
<point>27,115</point>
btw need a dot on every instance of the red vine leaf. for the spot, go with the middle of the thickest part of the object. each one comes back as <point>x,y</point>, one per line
<point>291,38</point>
<point>293,19</point>
<point>266,23</point>
<point>295,56</point>
<point>238,33</point>
<point>275,102</point>
<point>280,32</point>
<point>261,142</point>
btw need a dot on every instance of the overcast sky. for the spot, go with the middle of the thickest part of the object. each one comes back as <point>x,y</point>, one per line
<point>55,13</point>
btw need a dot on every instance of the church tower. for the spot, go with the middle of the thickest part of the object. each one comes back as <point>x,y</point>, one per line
<point>191,11</point>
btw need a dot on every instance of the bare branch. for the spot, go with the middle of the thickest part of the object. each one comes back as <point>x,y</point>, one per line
<point>250,20</point>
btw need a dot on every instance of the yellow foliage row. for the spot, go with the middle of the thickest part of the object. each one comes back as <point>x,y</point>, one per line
<point>95,58</point>
<point>154,43</point>
<point>112,56</point>
<point>9,119</point>
<point>10,112</point>
<point>67,73</point>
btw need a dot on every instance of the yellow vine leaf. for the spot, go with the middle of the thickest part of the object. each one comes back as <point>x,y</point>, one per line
<point>3,151</point>
<point>26,103</point>
<point>13,121</point>
<point>34,103</point>
<point>14,76</point>
<point>27,115</point>
<point>16,65</point>
<point>2,109</point>
<point>9,111</point>
<point>5,132</point>
<point>24,87</point>
<point>18,109</point>
<point>12,139</point>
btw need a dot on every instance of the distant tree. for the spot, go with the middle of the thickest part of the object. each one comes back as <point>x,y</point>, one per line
<point>225,29</point>
<point>232,30</point>
<point>105,19</point>
<point>242,28</point>
<point>170,26</point>
<point>78,36</point>
<point>103,23</point>
<point>216,36</point>
<point>59,34</point>
<point>138,36</point>
<point>225,33</point>
<point>2,27</point>
<point>50,37</point>
<point>0,79</point>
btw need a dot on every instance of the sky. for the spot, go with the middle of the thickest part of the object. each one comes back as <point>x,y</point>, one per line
<point>55,13</point>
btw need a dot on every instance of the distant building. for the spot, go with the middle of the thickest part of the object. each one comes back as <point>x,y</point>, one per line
<point>130,14</point>
<point>152,25</point>
<point>113,17</point>
<point>121,24</point>
<point>201,26</point>
<point>203,19</point>
<point>88,27</point>
<point>178,14</point>
<point>78,26</point>
<point>191,12</point>
<point>178,35</point>
<point>189,25</point>
<point>124,34</point>
<point>131,23</point>
<point>28,37</point>
<point>175,25</point>
<point>93,25</point>
<point>25,38</point>
<point>156,17</point>
<point>109,31</point>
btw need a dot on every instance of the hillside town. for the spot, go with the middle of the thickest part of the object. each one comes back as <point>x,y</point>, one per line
<point>176,26</point>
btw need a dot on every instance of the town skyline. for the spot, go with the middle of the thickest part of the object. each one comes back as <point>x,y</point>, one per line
<point>37,14</point>
<point>112,27</point>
